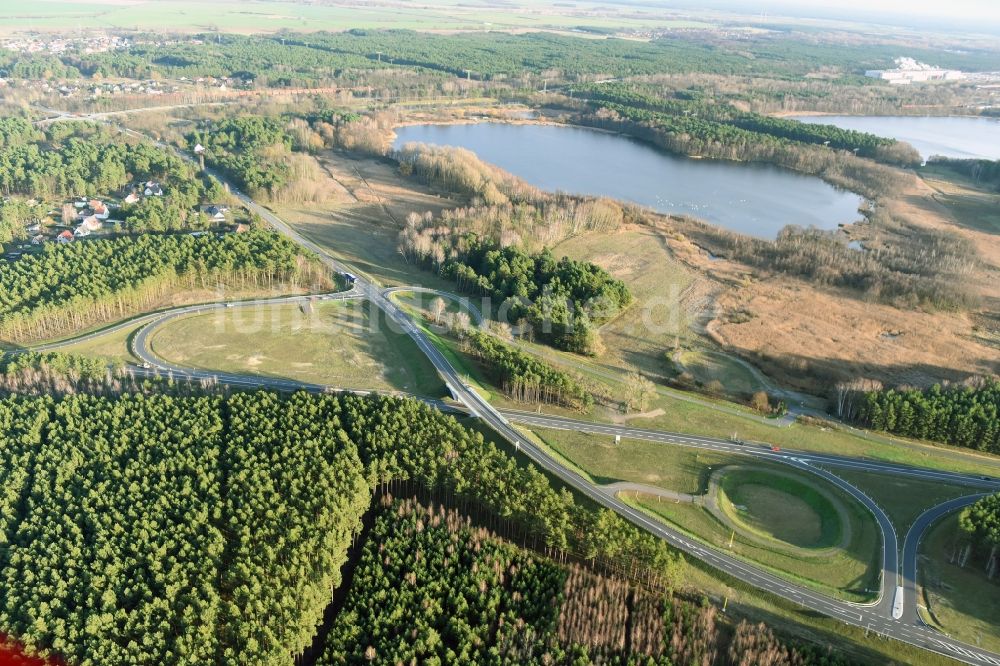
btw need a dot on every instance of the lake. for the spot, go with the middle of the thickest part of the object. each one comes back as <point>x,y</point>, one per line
<point>753,199</point>
<point>948,136</point>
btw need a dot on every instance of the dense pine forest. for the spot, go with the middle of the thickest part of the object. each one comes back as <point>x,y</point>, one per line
<point>433,588</point>
<point>68,287</point>
<point>962,415</point>
<point>207,529</point>
<point>981,522</point>
<point>522,376</point>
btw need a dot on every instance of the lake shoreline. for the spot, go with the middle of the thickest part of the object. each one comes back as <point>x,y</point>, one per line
<point>750,198</point>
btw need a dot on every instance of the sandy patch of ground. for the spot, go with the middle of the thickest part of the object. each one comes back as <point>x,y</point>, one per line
<point>625,418</point>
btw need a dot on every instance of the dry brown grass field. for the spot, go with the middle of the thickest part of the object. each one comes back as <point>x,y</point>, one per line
<point>796,331</point>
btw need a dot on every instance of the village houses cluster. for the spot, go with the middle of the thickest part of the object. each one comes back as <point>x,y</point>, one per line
<point>88,215</point>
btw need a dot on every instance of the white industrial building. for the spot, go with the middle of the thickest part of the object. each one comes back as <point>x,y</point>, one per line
<point>909,70</point>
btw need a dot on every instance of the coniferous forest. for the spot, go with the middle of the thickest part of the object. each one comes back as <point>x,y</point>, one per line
<point>68,287</point>
<point>961,415</point>
<point>433,588</point>
<point>207,529</point>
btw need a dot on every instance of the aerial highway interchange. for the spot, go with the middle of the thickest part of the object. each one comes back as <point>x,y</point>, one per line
<point>893,614</point>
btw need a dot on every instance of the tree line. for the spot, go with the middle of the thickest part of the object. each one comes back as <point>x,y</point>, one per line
<point>67,287</point>
<point>966,415</point>
<point>316,58</point>
<point>684,103</point>
<point>904,265</point>
<point>523,377</point>
<point>981,522</point>
<point>983,172</point>
<point>710,130</point>
<point>460,171</point>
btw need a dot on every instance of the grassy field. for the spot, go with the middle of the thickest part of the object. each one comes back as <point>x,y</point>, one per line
<point>743,601</point>
<point>671,411</point>
<point>902,498</point>
<point>419,304</point>
<point>662,310</point>
<point>781,507</point>
<point>962,600</point>
<point>851,573</point>
<point>708,366</point>
<point>668,467</point>
<point>972,205</point>
<point>113,346</point>
<point>336,344</point>
<point>361,223</point>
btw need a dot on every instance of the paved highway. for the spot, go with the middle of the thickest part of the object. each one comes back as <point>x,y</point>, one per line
<point>873,618</point>
<point>749,448</point>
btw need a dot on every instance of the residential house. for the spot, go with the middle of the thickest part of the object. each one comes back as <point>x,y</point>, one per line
<point>153,189</point>
<point>91,223</point>
<point>132,198</point>
<point>216,213</point>
<point>81,231</point>
<point>99,210</point>
<point>39,239</point>
<point>240,228</point>
<point>65,237</point>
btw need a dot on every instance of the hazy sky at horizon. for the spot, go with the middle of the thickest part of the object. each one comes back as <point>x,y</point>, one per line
<point>988,10</point>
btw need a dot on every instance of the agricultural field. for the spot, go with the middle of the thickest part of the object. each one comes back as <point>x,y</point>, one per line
<point>268,16</point>
<point>337,344</point>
